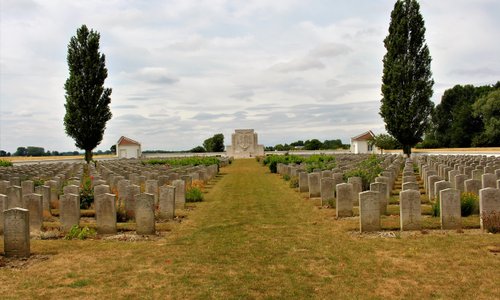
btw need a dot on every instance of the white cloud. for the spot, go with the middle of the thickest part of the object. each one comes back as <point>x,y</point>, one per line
<point>183,70</point>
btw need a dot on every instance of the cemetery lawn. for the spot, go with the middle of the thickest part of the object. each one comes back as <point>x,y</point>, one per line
<point>256,238</point>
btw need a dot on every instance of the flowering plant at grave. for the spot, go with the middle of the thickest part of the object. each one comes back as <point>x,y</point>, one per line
<point>86,193</point>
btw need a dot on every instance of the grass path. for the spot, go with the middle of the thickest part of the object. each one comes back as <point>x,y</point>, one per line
<point>256,238</point>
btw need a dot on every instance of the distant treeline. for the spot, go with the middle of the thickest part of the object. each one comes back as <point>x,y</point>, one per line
<point>313,144</point>
<point>40,151</point>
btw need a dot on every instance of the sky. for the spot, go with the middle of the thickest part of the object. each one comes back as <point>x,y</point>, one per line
<point>182,71</point>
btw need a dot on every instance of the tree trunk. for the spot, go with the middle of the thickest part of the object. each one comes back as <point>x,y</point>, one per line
<point>88,155</point>
<point>407,150</point>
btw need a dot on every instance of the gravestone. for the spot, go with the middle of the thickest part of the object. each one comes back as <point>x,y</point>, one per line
<point>430,186</point>
<point>409,209</point>
<point>382,189</point>
<point>244,144</point>
<point>27,187</point>
<point>45,192</point>
<point>472,186</point>
<point>14,197</point>
<point>489,180</point>
<point>33,203</point>
<point>357,187</point>
<point>489,202</point>
<point>344,200</point>
<point>449,200</point>
<point>69,211</point>
<point>369,211</point>
<point>327,190</point>
<point>385,180</point>
<point>144,214</point>
<point>105,213</point>
<point>152,188</point>
<point>71,189</point>
<point>3,206</point>
<point>303,182</point>
<point>411,186</point>
<point>180,194</point>
<point>132,191</point>
<point>16,236</point>
<point>167,202</point>
<point>314,185</point>
<point>439,186</point>
<point>460,182</point>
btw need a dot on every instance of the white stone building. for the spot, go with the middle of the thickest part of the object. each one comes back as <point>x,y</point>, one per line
<point>244,144</point>
<point>128,148</point>
<point>360,143</point>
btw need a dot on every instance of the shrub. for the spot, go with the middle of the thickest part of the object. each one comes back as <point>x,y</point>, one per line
<point>185,161</point>
<point>194,194</point>
<point>468,204</point>
<point>491,221</point>
<point>436,209</point>
<point>367,169</point>
<point>5,163</point>
<point>286,177</point>
<point>79,233</point>
<point>86,193</point>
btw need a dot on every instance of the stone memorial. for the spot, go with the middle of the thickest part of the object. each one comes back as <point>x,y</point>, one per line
<point>327,190</point>
<point>449,200</point>
<point>3,206</point>
<point>145,214</point>
<point>303,182</point>
<point>69,211</point>
<point>180,193</point>
<point>409,209</point>
<point>314,184</point>
<point>33,203</point>
<point>382,189</point>
<point>472,186</point>
<point>489,180</point>
<point>344,200</point>
<point>357,187</point>
<point>369,211</point>
<point>133,191</point>
<point>489,202</point>
<point>105,213</point>
<point>244,144</point>
<point>411,186</point>
<point>16,236</point>
<point>167,202</point>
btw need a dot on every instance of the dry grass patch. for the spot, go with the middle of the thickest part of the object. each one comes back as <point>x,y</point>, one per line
<point>255,238</point>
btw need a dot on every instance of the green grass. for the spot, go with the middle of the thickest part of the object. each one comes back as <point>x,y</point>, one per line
<point>256,238</point>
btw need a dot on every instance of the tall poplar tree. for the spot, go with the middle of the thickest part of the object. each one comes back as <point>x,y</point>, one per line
<point>407,79</point>
<point>87,101</point>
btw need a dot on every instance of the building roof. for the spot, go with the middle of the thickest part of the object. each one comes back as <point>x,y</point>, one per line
<point>365,136</point>
<point>126,141</point>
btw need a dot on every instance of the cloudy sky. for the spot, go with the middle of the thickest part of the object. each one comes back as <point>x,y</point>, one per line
<point>183,70</point>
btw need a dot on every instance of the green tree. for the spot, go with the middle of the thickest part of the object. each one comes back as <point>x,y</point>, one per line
<point>197,149</point>
<point>35,151</point>
<point>208,144</point>
<point>112,149</point>
<point>487,108</point>
<point>406,81</point>
<point>87,101</point>
<point>385,141</point>
<point>453,124</point>
<point>218,143</point>
<point>21,151</point>
<point>313,144</point>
